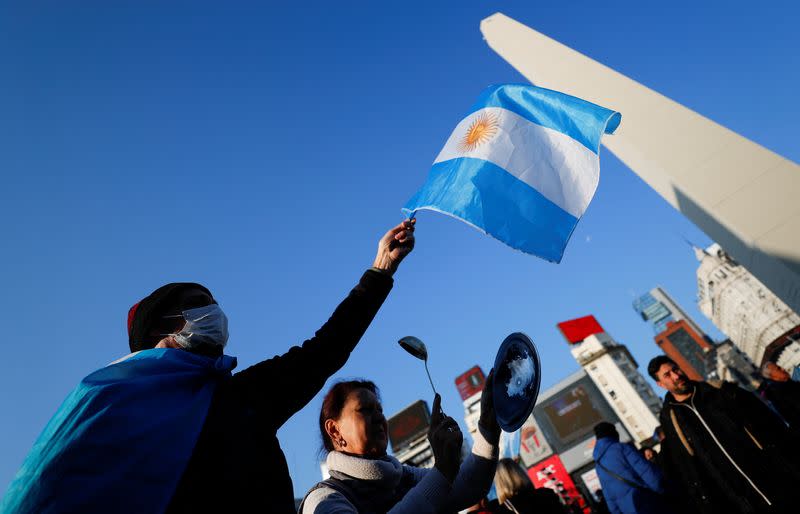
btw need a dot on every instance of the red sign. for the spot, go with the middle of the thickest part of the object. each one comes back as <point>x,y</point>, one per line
<point>576,330</point>
<point>552,474</point>
<point>470,382</point>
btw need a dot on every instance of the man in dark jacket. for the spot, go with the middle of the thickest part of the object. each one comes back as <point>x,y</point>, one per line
<point>630,483</point>
<point>168,427</point>
<point>782,393</point>
<point>238,464</point>
<point>724,448</point>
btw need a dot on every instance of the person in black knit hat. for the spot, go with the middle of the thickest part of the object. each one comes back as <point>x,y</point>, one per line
<point>238,451</point>
<point>108,449</point>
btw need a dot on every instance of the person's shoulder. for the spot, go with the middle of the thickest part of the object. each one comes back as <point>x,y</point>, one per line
<point>546,500</point>
<point>544,492</point>
<point>328,498</point>
<point>727,386</point>
<point>791,385</point>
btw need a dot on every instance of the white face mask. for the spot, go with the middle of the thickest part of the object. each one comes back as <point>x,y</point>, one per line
<point>204,326</point>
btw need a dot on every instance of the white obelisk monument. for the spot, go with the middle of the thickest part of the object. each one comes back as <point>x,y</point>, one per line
<point>740,194</point>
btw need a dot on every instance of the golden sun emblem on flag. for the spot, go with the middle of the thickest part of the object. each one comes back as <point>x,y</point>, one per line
<point>482,129</point>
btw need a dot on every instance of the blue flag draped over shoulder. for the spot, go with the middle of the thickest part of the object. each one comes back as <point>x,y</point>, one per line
<point>522,166</point>
<point>122,438</point>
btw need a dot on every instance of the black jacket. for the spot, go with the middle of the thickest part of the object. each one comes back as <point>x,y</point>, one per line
<point>238,464</point>
<point>535,501</point>
<point>785,398</point>
<point>728,452</point>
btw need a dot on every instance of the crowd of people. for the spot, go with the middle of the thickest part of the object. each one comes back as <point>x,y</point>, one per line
<point>169,428</point>
<point>723,449</point>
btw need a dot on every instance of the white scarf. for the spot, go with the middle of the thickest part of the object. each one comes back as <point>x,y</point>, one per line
<point>374,481</point>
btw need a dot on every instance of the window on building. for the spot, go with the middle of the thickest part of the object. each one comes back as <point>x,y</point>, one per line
<point>689,349</point>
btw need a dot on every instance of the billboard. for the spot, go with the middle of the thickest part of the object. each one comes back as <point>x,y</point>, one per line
<point>470,382</point>
<point>572,413</point>
<point>533,445</point>
<point>592,483</point>
<point>578,329</point>
<point>551,473</point>
<point>408,424</point>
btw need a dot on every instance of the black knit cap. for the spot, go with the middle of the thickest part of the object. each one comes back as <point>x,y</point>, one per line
<point>606,429</point>
<point>149,312</point>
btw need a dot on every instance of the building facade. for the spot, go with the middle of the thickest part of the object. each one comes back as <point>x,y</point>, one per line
<point>727,363</point>
<point>557,440</point>
<point>408,435</point>
<point>614,371</point>
<point>470,385</point>
<point>658,308</point>
<point>754,318</point>
<point>681,343</point>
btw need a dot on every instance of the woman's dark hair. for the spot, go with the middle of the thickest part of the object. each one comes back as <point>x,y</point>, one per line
<point>334,402</point>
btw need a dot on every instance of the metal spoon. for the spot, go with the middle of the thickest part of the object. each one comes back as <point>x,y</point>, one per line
<point>417,348</point>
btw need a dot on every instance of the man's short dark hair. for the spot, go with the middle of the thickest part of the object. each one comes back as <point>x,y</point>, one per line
<point>606,429</point>
<point>656,363</point>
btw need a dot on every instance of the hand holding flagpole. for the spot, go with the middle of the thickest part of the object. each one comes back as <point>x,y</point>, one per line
<point>394,246</point>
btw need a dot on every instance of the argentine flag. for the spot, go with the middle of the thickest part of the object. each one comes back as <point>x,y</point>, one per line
<point>522,166</point>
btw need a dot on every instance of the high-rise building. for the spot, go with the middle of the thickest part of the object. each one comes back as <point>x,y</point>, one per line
<point>408,433</point>
<point>658,308</point>
<point>686,347</point>
<point>756,320</point>
<point>470,385</point>
<point>727,363</point>
<point>614,371</point>
<point>683,341</point>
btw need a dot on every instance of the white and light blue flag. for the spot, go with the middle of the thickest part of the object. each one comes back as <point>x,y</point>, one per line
<point>522,166</point>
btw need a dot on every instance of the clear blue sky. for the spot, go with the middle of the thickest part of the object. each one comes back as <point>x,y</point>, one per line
<point>263,149</point>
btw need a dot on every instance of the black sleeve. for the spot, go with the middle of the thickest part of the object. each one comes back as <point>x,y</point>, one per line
<point>280,386</point>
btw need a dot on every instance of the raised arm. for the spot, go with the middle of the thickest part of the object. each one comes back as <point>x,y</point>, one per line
<point>475,477</point>
<point>285,384</point>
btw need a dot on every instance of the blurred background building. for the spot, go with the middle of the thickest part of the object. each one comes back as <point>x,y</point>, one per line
<point>756,320</point>
<point>470,385</point>
<point>614,371</point>
<point>682,339</point>
<point>687,348</point>
<point>658,308</point>
<point>408,435</point>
